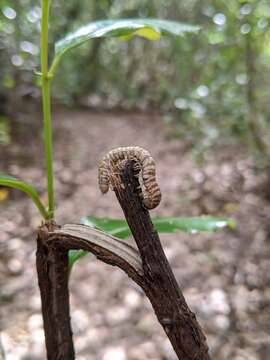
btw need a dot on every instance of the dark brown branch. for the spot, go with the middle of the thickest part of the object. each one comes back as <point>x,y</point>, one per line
<point>52,269</point>
<point>159,283</point>
<point>149,269</point>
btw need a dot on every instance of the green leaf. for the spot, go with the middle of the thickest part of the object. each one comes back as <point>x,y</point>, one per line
<point>192,225</point>
<point>119,227</point>
<point>10,181</point>
<point>124,29</point>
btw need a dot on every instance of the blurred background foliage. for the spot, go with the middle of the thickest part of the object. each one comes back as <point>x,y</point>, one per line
<point>211,88</point>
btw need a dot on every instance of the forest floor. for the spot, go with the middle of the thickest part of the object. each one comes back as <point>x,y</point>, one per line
<point>224,276</point>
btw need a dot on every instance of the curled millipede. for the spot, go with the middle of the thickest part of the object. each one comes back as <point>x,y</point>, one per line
<point>144,161</point>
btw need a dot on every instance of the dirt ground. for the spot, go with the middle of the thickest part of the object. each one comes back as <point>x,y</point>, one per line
<point>224,276</point>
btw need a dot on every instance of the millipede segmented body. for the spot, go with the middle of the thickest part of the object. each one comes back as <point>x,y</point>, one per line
<point>151,191</point>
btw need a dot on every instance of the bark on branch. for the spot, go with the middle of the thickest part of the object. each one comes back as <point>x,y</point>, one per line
<point>159,283</point>
<point>52,269</point>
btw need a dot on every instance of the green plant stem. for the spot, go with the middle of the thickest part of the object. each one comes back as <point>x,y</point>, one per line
<point>46,102</point>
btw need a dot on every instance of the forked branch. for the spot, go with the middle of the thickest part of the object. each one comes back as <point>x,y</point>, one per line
<point>148,267</point>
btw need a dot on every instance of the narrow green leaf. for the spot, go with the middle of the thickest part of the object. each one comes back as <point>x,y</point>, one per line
<point>10,181</point>
<point>119,227</point>
<point>151,29</point>
<point>192,225</point>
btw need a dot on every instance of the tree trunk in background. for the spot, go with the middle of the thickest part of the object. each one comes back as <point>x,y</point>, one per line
<point>253,115</point>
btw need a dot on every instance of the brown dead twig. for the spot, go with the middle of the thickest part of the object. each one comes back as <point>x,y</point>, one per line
<point>148,267</point>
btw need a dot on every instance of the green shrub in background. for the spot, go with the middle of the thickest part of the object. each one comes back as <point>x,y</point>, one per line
<point>210,86</point>
<point>121,29</point>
